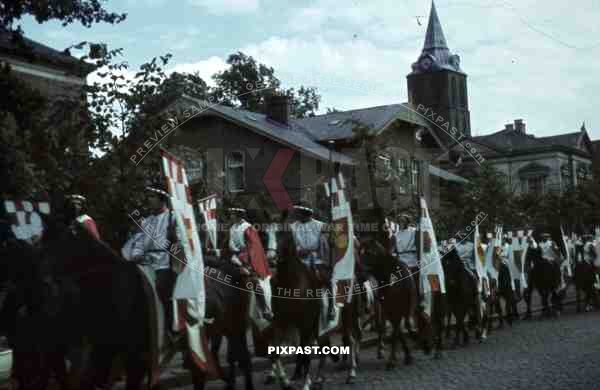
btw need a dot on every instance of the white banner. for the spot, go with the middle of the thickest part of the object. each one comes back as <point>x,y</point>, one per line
<point>342,230</point>
<point>430,267</point>
<point>189,286</point>
<point>208,208</point>
<point>479,256</point>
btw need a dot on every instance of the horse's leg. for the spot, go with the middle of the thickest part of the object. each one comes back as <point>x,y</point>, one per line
<point>280,373</point>
<point>527,295</point>
<point>319,378</point>
<point>198,378</point>
<point>306,338</point>
<point>58,365</point>
<point>396,330</point>
<point>246,362</point>
<point>233,354</point>
<point>437,319</point>
<point>381,322</point>
<point>136,370</point>
<point>408,359</point>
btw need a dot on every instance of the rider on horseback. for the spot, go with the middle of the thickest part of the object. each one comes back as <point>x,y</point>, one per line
<point>153,244</point>
<point>404,246</point>
<point>312,247</point>
<point>466,252</point>
<point>77,208</point>
<point>589,250</point>
<point>247,251</point>
<point>549,248</point>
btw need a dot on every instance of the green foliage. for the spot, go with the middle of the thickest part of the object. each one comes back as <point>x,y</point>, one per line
<point>247,84</point>
<point>86,12</point>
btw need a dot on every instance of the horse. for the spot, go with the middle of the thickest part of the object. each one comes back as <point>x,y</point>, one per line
<point>398,292</point>
<point>38,352</point>
<point>351,316</point>
<point>543,276</point>
<point>462,296</point>
<point>301,315</point>
<point>227,305</point>
<point>108,303</point>
<point>584,277</point>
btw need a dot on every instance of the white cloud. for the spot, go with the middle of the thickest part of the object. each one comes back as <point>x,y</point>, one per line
<point>205,68</point>
<point>219,7</point>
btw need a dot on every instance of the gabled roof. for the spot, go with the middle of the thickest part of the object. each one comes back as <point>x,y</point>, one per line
<point>293,136</point>
<point>339,125</point>
<point>510,141</point>
<point>31,51</point>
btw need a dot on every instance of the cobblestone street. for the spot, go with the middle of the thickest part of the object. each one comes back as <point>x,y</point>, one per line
<point>544,354</point>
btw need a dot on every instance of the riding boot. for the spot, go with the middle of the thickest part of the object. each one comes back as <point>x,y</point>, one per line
<point>331,312</point>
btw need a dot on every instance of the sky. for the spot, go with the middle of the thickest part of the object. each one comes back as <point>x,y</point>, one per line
<point>532,59</point>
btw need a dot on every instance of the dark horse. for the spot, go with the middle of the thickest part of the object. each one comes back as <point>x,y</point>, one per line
<point>396,288</point>
<point>462,296</point>
<point>108,310</point>
<point>543,276</point>
<point>227,305</point>
<point>38,352</point>
<point>299,314</point>
<point>584,278</point>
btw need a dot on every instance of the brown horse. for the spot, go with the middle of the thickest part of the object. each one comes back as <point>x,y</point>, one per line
<point>294,314</point>
<point>399,299</point>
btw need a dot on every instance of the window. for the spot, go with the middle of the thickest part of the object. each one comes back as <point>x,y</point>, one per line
<point>415,175</point>
<point>534,185</point>
<point>404,175</point>
<point>383,165</point>
<point>455,101</point>
<point>235,165</point>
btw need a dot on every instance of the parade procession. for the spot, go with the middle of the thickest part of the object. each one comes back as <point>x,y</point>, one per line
<point>199,223</point>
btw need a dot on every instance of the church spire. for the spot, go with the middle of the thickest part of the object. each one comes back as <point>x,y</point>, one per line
<point>435,54</point>
<point>434,39</point>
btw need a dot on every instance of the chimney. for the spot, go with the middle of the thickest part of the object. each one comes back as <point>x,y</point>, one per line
<point>509,127</point>
<point>520,126</point>
<point>278,109</point>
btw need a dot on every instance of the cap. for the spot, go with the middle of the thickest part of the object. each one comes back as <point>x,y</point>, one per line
<point>77,197</point>
<point>158,190</point>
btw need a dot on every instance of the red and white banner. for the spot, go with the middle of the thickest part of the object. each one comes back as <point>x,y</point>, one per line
<point>430,267</point>
<point>24,218</point>
<point>342,230</point>
<point>342,241</point>
<point>208,208</point>
<point>479,256</point>
<point>189,293</point>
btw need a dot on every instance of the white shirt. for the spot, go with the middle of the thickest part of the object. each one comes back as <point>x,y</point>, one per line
<point>307,235</point>
<point>588,255</point>
<point>406,246</point>
<point>465,251</point>
<point>237,238</point>
<point>156,245</point>
<point>547,250</point>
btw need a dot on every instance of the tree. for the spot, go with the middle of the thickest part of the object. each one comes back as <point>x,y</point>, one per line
<point>305,102</point>
<point>87,12</point>
<point>247,84</point>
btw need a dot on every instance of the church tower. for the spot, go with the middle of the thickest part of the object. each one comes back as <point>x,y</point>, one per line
<point>438,83</point>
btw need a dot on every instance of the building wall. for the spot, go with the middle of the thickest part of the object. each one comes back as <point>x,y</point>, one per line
<point>554,181</point>
<point>51,82</point>
<point>215,138</point>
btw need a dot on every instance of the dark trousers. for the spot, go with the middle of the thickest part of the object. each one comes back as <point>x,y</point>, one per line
<point>165,283</point>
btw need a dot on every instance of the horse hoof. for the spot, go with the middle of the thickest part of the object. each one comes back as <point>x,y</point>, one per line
<point>269,380</point>
<point>317,385</point>
<point>408,360</point>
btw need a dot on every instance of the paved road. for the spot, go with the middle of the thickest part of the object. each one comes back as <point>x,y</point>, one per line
<point>548,354</point>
